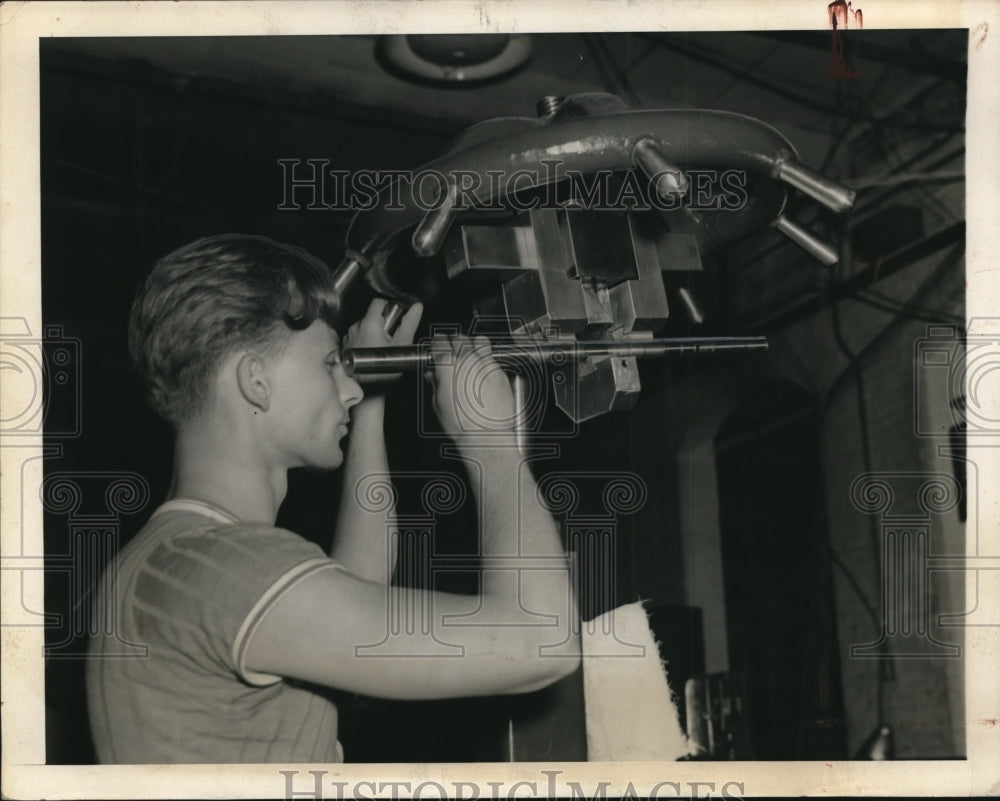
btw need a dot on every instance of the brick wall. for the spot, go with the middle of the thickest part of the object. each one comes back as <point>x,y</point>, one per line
<point>923,698</point>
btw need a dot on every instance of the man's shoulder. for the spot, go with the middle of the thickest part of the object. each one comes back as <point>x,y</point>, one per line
<point>208,572</point>
<point>196,543</point>
<point>185,530</point>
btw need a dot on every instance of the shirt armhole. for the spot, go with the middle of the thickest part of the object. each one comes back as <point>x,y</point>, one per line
<point>259,610</point>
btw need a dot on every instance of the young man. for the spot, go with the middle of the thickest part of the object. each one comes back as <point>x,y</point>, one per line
<point>234,339</point>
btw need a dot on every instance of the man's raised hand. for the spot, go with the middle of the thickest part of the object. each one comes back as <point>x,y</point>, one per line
<point>369,332</point>
<point>472,394</point>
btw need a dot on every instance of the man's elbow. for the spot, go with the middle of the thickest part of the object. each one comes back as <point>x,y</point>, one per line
<point>552,665</point>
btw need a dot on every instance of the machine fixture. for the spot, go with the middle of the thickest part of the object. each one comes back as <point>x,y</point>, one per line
<point>589,220</point>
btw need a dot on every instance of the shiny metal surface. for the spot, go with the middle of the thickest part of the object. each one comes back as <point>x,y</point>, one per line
<point>808,241</point>
<point>369,361</point>
<point>586,144</point>
<point>834,196</point>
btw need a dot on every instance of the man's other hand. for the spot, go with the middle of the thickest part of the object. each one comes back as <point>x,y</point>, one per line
<point>369,332</point>
<point>472,394</point>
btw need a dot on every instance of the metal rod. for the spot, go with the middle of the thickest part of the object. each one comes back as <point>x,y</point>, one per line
<point>834,196</point>
<point>670,179</point>
<point>518,384</point>
<point>368,361</point>
<point>433,228</point>
<point>350,268</point>
<point>392,314</point>
<point>690,306</point>
<point>808,241</point>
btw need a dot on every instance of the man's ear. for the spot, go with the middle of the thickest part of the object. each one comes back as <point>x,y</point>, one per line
<point>251,375</point>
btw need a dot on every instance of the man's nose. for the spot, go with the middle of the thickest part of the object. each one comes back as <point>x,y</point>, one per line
<point>350,390</point>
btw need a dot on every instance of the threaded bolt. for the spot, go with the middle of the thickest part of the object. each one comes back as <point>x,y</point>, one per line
<point>547,106</point>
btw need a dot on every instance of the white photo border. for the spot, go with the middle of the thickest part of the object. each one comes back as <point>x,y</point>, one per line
<point>25,775</point>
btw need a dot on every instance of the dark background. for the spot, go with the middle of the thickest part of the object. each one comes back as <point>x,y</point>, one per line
<point>148,144</point>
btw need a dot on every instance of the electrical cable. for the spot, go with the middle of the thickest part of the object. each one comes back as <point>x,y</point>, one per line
<point>858,589</point>
<point>885,140</point>
<point>739,72</point>
<point>619,73</point>
<point>879,181</point>
<point>650,48</point>
<point>905,306</point>
<point>606,77</point>
<point>943,268</point>
<point>613,80</point>
<point>918,315</point>
<point>798,97</point>
<point>872,119</point>
<point>951,258</point>
<point>860,208</point>
<point>854,367</point>
<point>836,139</point>
<point>881,194</point>
<point>796,363</point>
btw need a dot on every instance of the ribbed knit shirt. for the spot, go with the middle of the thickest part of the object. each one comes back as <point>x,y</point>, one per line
<point>166,679</point>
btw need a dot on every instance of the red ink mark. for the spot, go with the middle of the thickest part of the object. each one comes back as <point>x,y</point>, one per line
<point>989,722</point>
<point>829,764</point>
<point>840,12</point>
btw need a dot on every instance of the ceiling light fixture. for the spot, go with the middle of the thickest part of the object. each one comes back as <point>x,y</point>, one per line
<point>456,58</point>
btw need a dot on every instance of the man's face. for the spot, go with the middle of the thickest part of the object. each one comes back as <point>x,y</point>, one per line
<point>311,396</point>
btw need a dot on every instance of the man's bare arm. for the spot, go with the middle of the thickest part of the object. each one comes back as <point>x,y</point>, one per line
<point>361,541</point>
<point>526,564</point>
<point>333,628</point>
<point>318,630</point>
